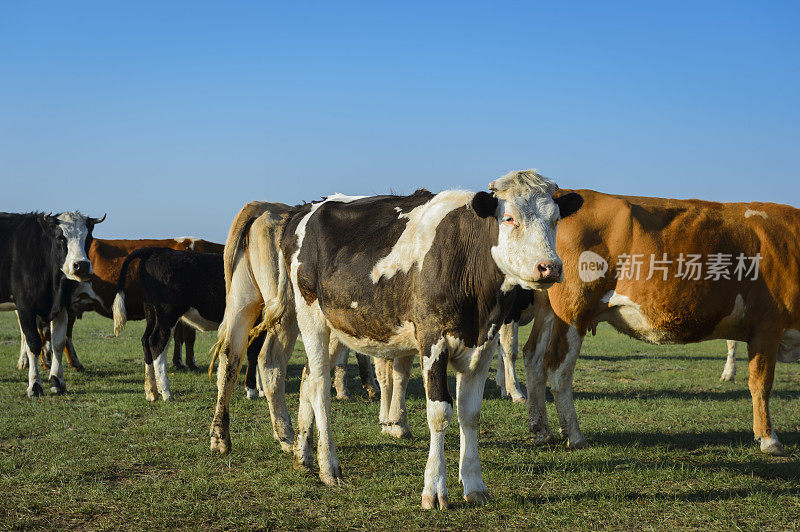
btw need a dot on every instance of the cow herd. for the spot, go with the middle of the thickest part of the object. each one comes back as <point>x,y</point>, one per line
<point>447,277</point>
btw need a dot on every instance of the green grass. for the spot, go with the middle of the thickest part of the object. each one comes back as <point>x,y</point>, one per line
<point>671,447</point>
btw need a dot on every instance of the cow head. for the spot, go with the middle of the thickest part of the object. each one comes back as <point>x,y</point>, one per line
<point>527,215</point>
<point>73,236</point>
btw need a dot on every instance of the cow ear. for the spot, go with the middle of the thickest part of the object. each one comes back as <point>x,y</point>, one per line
<point>569,203</point>
<point>484,204</point>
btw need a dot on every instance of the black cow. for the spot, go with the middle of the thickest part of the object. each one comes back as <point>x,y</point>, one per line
<point>42,260</point>
<point>391,276</point>
<point>176,286</point>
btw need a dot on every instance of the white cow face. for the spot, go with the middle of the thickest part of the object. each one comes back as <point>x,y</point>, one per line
<point>76,231</point>
<point>527,215</point>
<point>526,243</point>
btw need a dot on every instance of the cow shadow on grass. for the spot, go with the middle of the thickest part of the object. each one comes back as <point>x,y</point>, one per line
<point>686,441</point>
<point>703,495</point>
<point>652,356</point>
<point>661,393</point>
<point>681,441</point>
<point>767,469</point>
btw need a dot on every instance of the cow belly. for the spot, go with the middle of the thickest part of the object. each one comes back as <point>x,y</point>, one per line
<point>627,317</point>
<point>789,350</point>
<point>677,324</point>
<point>401,343</point>
<point>194,319</point>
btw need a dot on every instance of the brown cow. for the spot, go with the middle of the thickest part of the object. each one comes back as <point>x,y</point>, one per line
<point>107,257</point>
<point>669,272</point>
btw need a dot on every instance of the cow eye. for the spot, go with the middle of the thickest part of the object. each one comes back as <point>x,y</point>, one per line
<point>508,219</point>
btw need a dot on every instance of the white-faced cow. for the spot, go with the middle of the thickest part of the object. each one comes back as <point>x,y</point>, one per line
<point>669,271</point>
<point>394,276</point>
<point>42,260</point>
<point>107,257</point>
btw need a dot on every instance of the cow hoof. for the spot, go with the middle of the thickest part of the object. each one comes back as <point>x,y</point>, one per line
<point>57,386</point>
<point>578,444</point>
<point>220,445</point>
<point>178,367</point>
<point>150,396</point>
<point>478,498</point>
<point>193,367</point>
<point>332,479</point>
<point>372,392</point>
<point>286,446</point>
<point>167,397</point>
<point>251,393</point>
<point>35,390</point>
<point>22,364</point>
<point>343,396</point>
<point>401,432</point>
<point>79,368</point>
<point>727,378</point>
<point>772,447</point>
<point>429,502</point>
<point>304,463</point>
<point>542,438</point>
<point>520,399</point>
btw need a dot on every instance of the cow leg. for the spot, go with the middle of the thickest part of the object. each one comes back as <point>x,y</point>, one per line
<point>45,334</point>
<point>536,380</point>
<point>763,351</point>
<point>397,423</point>
<point>367,376</point>
<point>316,339</point>
<point>469,395</point>
<point>251,376</point>
<point>177,338</point>
<point>22,363</point>
<point>189,337</point>
<point>58,340</point>
<point>339,353</point>
<point>33,346</point>
<point>150,388</point>
<point>242,308</point>
<point>272,360</point>
<point>69,349</point>
<point>729,373</point>
<point>561,386</point>
<point>439,407</point>
<point>506,363</point>
<point>159,346</point>
<point>305,426</point>
<point>383,372</point>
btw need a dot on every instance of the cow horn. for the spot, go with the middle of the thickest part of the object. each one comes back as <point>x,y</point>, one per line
<point>96,221</point>
<point>491,186</point>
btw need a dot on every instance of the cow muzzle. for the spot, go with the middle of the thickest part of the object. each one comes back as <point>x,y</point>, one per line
<point>549,272</point>
<point>82,269</point>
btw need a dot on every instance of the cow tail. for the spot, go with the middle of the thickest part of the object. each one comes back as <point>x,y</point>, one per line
<point>222,335</point>
<point>118,307</point>
<point>275,307</point>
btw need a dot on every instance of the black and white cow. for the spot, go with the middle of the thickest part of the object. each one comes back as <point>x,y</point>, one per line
<point>392,276</point>
<point>43,258</point>
<point>177,285</point>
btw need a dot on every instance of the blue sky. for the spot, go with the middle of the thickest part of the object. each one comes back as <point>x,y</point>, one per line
<point>171,115</point>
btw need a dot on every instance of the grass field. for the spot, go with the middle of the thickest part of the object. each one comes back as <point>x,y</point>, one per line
<point>671,448</point>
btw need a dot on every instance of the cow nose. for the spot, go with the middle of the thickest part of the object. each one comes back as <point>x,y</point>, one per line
<point>549,271</point>
<point>82,268</point>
